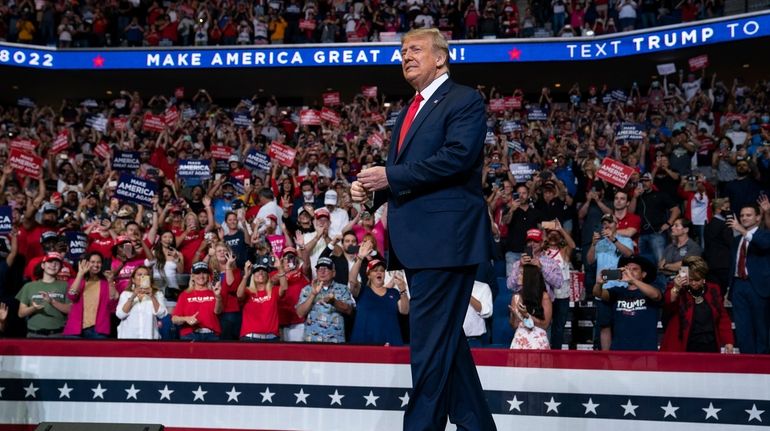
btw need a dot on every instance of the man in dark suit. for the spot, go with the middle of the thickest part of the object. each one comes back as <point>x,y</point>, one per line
<point>750,290</point>
<point>719,239</point>
<point>439,231</point>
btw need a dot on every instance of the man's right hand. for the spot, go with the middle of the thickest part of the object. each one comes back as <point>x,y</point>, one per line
<point>358,192</point>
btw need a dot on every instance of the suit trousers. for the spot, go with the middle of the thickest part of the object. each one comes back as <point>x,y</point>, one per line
<point>751,314</point>
<point>444,377</point>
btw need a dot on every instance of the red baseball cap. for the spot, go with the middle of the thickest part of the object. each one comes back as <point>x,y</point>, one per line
<point>373,264</point>
<point>535,235</point>
<point>53,256</point>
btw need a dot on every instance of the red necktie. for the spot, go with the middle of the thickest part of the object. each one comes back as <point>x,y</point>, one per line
<point>742,273</point>
<point>409,118</point>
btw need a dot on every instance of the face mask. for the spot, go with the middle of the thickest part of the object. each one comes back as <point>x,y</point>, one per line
<point>307,195</point>
<point>351,249</point>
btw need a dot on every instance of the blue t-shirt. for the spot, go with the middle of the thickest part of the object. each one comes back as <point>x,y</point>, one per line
<point>635,320</point>
<point>221,207</point>
<point>607,257</point>
<point>377,318</point>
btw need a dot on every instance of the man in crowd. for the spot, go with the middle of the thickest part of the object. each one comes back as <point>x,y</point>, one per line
<point>520,218</point>
<point>718,237</point>
<point>657,211</point>
<point>323,304</point>
<point>681,246</point>
<point>44,303</point>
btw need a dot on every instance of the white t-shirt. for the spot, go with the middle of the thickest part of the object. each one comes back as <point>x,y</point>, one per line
<point>699,209</point>
<point>474,324</point>
<point>690,88</point>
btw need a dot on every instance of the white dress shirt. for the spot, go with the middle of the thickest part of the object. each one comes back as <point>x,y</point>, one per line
<point>474,324</point>
<point>141,322</point>
<point>430,89</point>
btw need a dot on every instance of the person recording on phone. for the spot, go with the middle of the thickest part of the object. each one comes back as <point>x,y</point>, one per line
<point>718,238</point>
<point>749,287</point>
<point>521,217</point>
<point>535,255</point>
<point>697,319</point>
<point>323,304</point>
<point>140,307</point>
<point>530,310</point>
<point>607,246</point>
<point>635,303</point>
<point>681,246</point>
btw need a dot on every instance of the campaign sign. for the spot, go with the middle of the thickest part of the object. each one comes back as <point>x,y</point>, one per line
<point>97,122</point>
<point>619,95</point>
<point>6,219</point>
<point>126,161</point>
<point>497,105</point>
<point>242,120</point>
<point>392,117</point>
<point>309,117</point>
<point>511,126</point>
<point>630,132</point>
<point>153,123</point>
<point>135,189</point>
<point>513,102</point>
<point>194,169</point>
<point>331,98</point>
<point>516,146</point>
<point>375,140</point>
<point>220,152</point>
<point>25,164</point>
<point>257,161</point>
<point>282,154</point>
<point>698,63</point>
<point>171,116</point>
<point>61,142</point>
<point>376,117</point>
<point>120,123</point>
<point>666,69</point>
<point>77,242</point>
<point>537,114</point>
<point>614,172</point>
<point>330,116</point>
<point>369,91</point>
<point>277,243</point>
<point>102,150</point>
<point>523,171</point>
<point>24,144</point>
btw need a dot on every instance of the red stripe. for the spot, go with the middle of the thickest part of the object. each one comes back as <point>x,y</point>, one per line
<point>566,359</point>
<point>9,427</point>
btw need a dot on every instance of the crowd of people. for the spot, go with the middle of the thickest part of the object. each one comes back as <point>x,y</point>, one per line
<point>280,251</point>
<point>136,23</point>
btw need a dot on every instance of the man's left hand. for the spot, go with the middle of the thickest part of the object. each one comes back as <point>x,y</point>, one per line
<point>373,179</point>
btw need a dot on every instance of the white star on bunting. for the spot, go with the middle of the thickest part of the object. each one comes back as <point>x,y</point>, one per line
<point>669,410</point>
<point>754,413</point>
<point>64,391</point>
<point>301,396</point>
<point>30,391</point>
<point>553,406</point>
<point>165,393</point>
<point>629,409</point>
<point>98,392</point>
<point>515,404</point>
<point>232,395</point>
<point>336,398</point>
<point>404,399</point>
<point>131,392</point>
<point>371,399</point>
<point>590,406</point>
<point>1,391</point>
<point>267,395</point>
<point>199,394</point>
<point>711,411</point>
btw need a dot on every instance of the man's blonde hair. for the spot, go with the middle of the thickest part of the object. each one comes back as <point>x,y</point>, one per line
<point>438,41</point>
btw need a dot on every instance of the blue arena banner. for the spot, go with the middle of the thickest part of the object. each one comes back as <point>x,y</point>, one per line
<point>734,28</point>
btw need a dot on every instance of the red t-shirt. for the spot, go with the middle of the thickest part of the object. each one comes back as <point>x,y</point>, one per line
<point>32,239</point>
<point>631,220</point>
<point>203,302</point>
<point>230,292</point>
<point>260,313</point>
<point>192,241</point>
<point>287,312</point>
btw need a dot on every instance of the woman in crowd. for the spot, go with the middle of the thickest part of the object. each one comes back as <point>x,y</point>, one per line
<point>221,261</point>
<point>698,320</point>
<point>530,311</point>
<point>378,306</point>
<point>260,303</point>
<point>140,307</point>
<point>559,247</point>
<point>166,262</point>
<point>199,306</point>
<point>93,297</point>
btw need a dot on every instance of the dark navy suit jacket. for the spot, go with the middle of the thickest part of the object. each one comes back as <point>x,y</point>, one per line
<point>757,261</point>
<point>437,216</point>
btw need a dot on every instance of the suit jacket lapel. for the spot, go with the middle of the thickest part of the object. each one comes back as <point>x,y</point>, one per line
<point>430,104</point>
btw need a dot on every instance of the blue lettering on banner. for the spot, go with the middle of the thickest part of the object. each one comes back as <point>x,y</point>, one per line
<point>630,132</point>
<point>77,243</point>
<point>537,114</point>
<point>728,29</point>
<point>194,169</point>
<point>6,219</point>
<point>126,161</point>
<point>257,161</point>
<point>135,189</point>
<point>523,171</point>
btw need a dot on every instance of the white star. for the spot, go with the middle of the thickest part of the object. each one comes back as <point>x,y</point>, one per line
<point>553,406</point>
<point>404,399</point>
<point>629,409</point>
<point>132,391</point>
<point>301,396</point>
<point>754,413</point>
<point>669,410</point>
<point>30,391</point>
<point>64,391</point>
<point>371,399</point>
<point>98,392</point>
<point>711,411</point>
<point>232,395</point>
<point>199,394</point>
<point>165,393</point>
<point>590,406</point>
<point>267,395</point>
<point>336,398</point>
<point>515,404</point>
